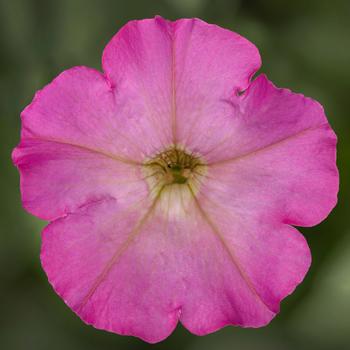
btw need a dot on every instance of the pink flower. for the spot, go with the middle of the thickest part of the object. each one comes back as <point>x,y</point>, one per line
<point>172,182</point>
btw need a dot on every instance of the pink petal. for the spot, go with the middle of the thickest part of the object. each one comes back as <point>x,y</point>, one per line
<point>281,165</point>
<point>264,262</point>
<point>112,269</point>
<point>56,178</point>
<point>183,71</point>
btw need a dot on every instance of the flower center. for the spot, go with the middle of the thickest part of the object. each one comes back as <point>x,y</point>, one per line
<point>175,174</point>
<point>174,166</point>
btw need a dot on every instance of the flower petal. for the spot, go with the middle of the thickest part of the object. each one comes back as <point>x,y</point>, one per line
<point>178,72</point>
<point>269,259</point>
<point>57,178</point>
<point>281,165</point>
<point>108,266</point>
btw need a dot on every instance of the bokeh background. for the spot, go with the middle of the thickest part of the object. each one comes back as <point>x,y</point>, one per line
<point>305,45</point>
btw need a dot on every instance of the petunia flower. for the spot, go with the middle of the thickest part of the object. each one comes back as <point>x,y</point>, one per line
<point>172,182</point>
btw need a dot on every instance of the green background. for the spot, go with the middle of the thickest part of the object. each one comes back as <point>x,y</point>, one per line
<point>305,45</point>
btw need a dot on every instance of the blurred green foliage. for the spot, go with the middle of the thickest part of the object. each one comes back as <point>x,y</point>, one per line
<point>305,46</point>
